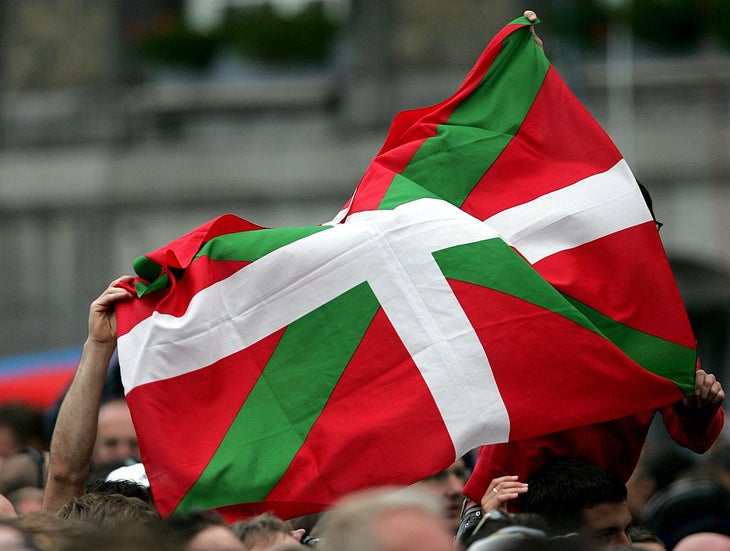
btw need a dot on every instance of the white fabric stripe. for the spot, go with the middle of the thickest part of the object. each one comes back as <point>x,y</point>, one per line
<point>572,216</point>
<point>392,251</point>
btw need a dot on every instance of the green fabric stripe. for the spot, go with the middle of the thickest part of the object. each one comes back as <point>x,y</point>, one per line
<point>402,190</point>
<point>452,163</point>
<point>495,265</point>
<point>657,355</point>
<point>275,419</point>
<point>251,245</point>
<point>155,285</point>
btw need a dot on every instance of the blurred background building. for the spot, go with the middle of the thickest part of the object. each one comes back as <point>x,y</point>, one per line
<point>126,124</point>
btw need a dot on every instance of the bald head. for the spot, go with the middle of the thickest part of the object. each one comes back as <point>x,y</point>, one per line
<point>384,519</point>
<point>704,541</point>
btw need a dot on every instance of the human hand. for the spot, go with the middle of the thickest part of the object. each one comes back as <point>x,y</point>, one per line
<point>708,392</point>
<point>500,491</point>
<point>532,17</point>
<point>102,319</point>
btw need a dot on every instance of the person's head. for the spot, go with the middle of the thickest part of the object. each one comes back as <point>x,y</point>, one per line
<point>14,538</point>
<point>124,487</point>
<point>26,468</point>
<point>385,519</point>
<point>72,534</point>
<point>704,541</point>
<point>688,506</point>
<point>477,525</point>
<point>659,465</point>
<point>576,496</point>
<point>449,484</point>
<point>201,531</point>
<point>116,439</point>
<point>56,533</point>
<point>26,500</point>
<point>21,426</point>
<point>265,532</point>
<point>110,510</point>
<point>717,459</point>
<point>514,538</point>
<point>643,538</point>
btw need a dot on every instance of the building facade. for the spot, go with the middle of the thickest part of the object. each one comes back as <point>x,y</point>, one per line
<point>104,157</point>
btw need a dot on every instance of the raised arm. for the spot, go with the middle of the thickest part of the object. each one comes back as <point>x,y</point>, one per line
<point>74,435</point>
<point>695,422</point>
<point>500,491</point>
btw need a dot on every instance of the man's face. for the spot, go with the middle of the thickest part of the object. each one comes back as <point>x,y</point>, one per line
<point>8,442</point>
<point>115,436</point>
<point>449,484</point>
<point>608,523</point>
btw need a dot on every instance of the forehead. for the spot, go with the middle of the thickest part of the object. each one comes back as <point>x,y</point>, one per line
<point>273,541</point>
<point>114,408</point>
<point>604,516</point>
<point>115,417</point>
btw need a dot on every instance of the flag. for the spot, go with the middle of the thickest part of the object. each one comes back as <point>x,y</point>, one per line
<point>495,276</point>
<point>38,379</point>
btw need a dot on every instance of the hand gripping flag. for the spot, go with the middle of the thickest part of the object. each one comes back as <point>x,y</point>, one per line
<point>495,276</point>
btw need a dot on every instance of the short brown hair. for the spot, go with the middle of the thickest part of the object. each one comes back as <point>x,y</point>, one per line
<point>261,528</point>
<point>109,510</point>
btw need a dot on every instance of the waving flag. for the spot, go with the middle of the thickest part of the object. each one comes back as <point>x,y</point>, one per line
<point>495,276</point>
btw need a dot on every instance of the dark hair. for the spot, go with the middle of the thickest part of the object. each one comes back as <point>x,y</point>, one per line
<point>185,526</point>
<point>124,487</point>
<point>649,203</point>
<point>562,489</point>
<point>110,510</point>
<point>26,423</point>
<point>510,539</point>
<point>688,506</point>
<point>100,471</point>
<point>647,198</point>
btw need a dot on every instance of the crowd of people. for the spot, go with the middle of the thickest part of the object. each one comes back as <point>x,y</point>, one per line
<point>675,500</point>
